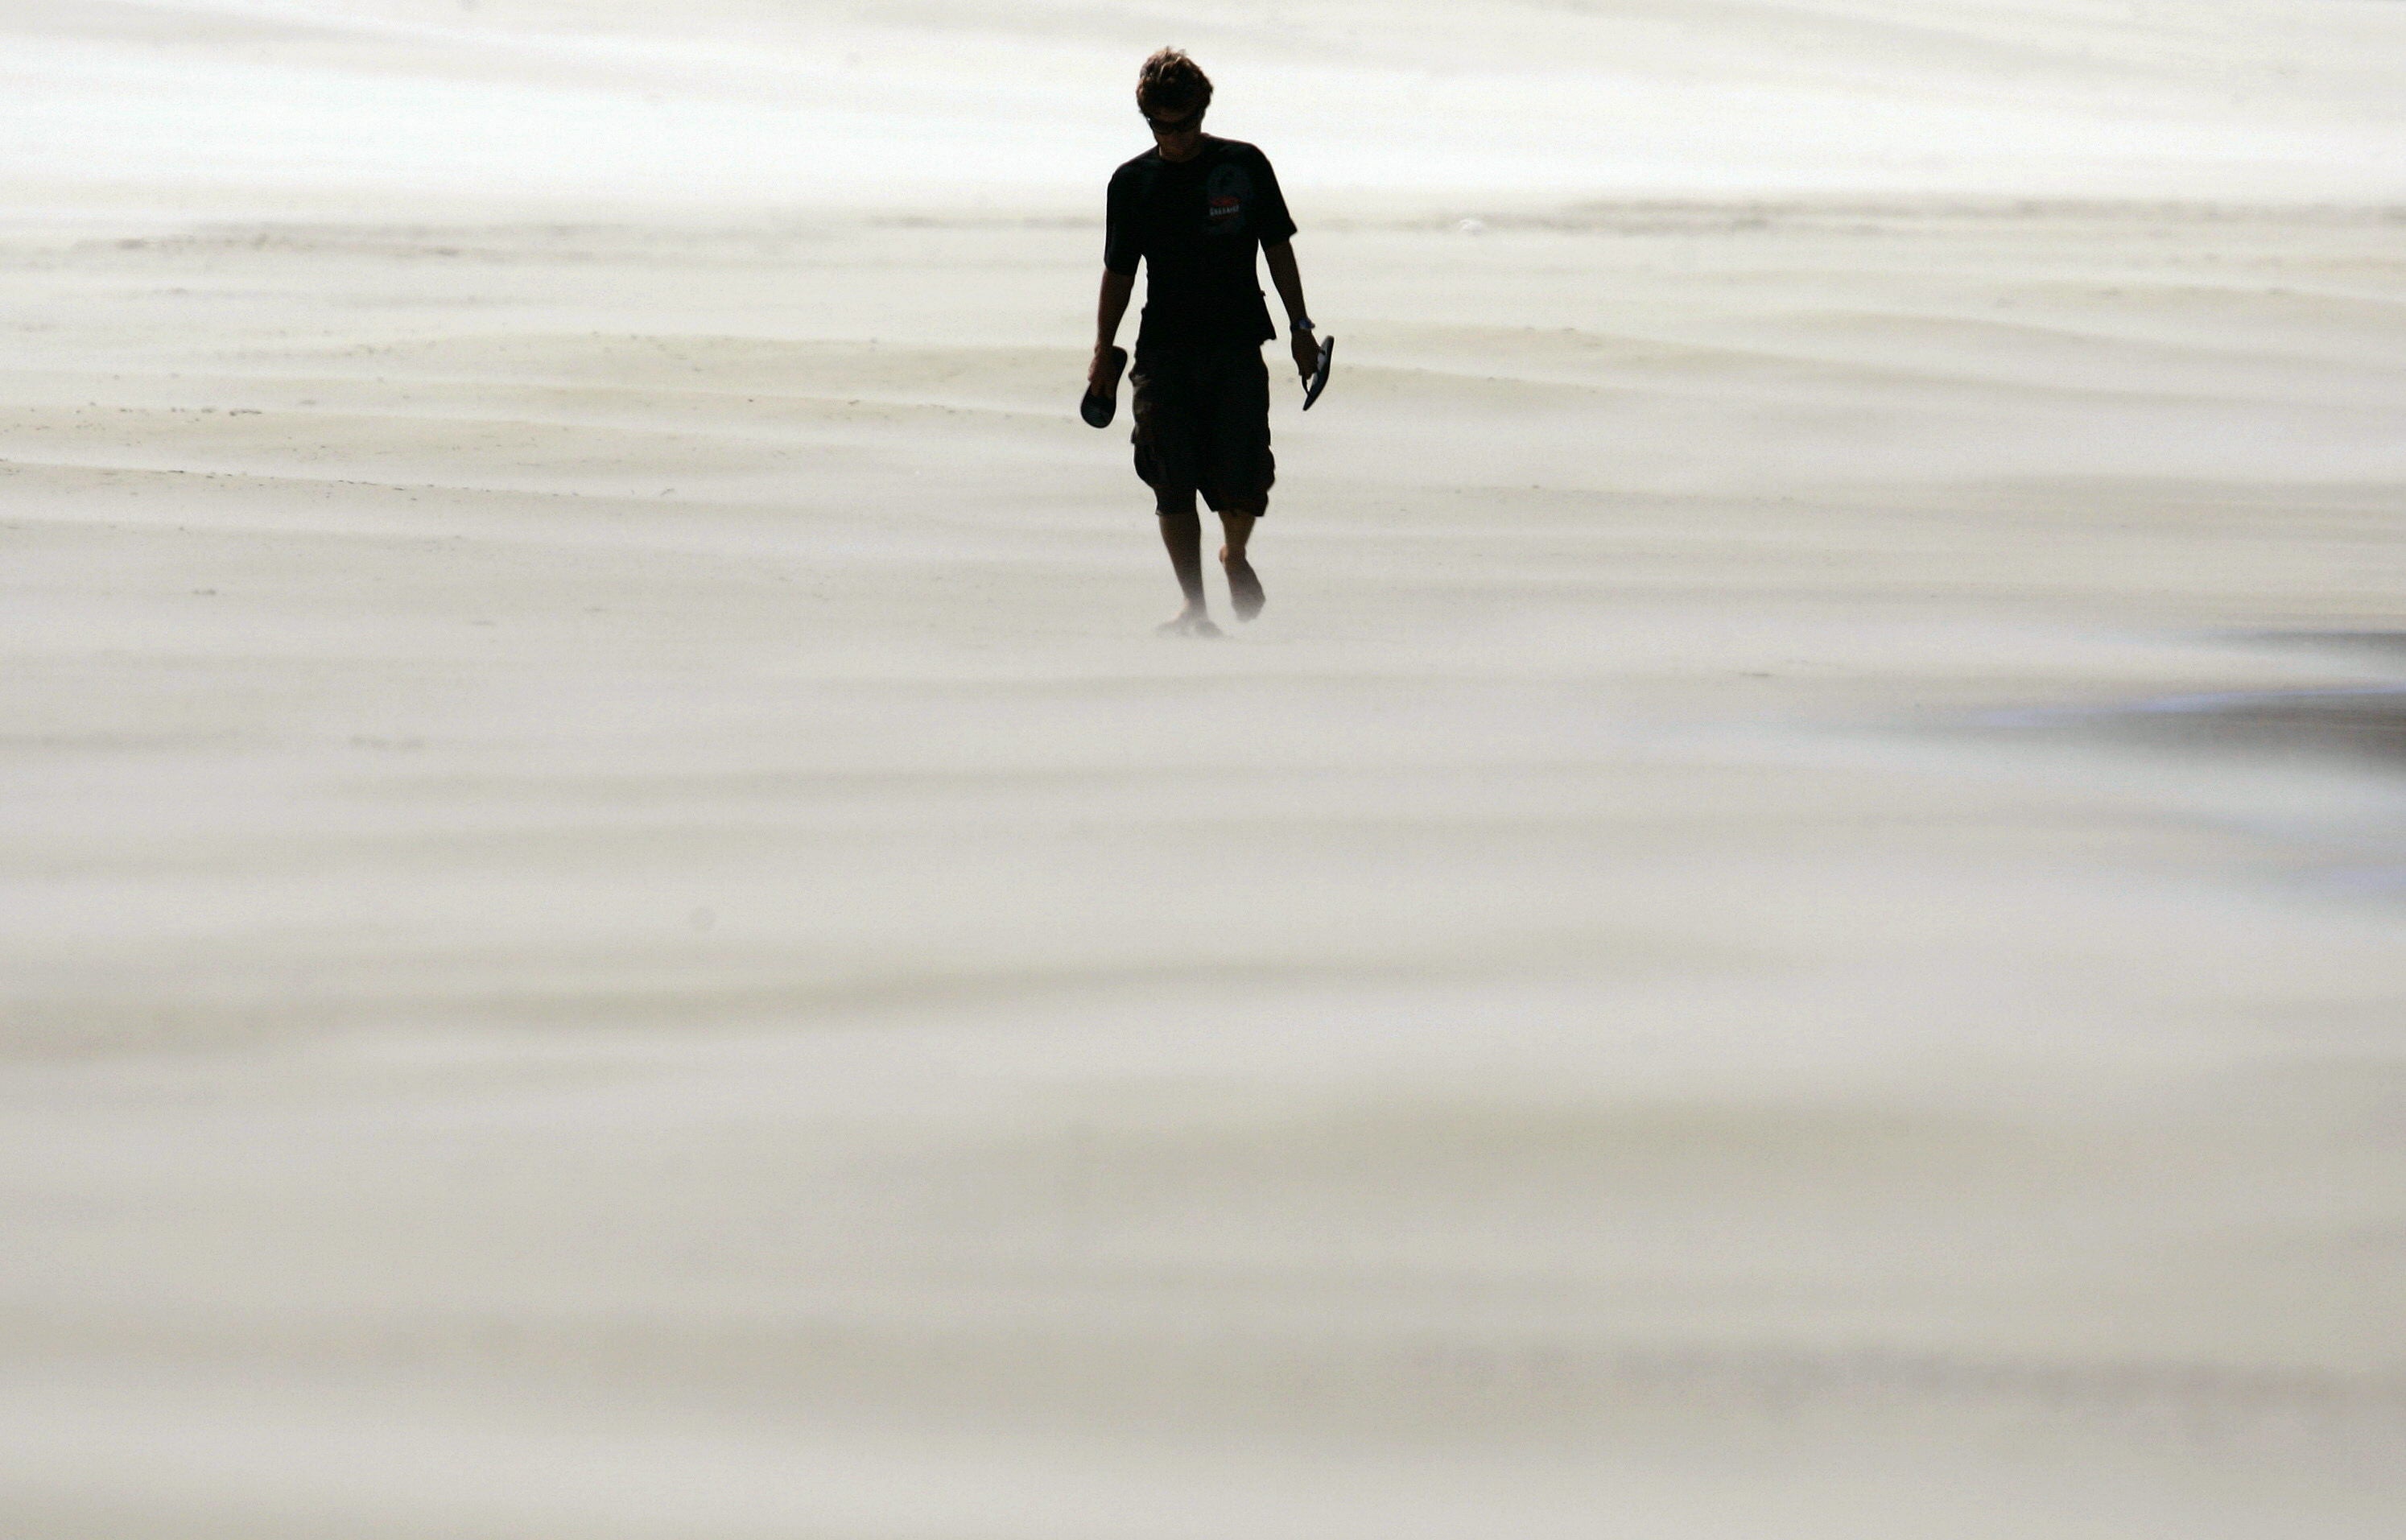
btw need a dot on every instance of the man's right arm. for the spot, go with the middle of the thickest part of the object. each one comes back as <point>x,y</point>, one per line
<point>1123,251</point>
<point>1108,308</point>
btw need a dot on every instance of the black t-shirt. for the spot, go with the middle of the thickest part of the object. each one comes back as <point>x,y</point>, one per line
<point>1196,224</point>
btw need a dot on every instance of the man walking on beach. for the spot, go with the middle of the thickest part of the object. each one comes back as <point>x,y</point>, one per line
<point>1195,209</point>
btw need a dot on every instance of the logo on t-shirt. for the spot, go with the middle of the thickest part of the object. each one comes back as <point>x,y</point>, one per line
<point>1225,197</point>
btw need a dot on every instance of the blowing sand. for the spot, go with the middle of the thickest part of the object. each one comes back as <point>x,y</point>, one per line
<point>616,924</point>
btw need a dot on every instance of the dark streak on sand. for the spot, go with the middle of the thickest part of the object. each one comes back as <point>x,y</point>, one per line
<point>2362,724</point>
<point>2359,729</point>
<point>2365,725</point>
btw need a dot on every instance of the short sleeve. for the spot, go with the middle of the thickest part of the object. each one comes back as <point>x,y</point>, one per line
<point>1271,221</point>
<point>1123,241</point>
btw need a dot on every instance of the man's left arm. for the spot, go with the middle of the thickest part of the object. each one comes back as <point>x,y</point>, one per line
<point>1289,282</point>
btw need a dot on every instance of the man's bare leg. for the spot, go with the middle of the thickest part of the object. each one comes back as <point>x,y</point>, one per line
<point>1244,586</point>
<point>1182,532</point>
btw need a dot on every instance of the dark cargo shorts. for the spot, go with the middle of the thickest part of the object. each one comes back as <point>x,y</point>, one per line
<point>1203,425</point>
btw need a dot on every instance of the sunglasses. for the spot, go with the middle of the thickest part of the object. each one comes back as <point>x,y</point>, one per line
<point>1191,121</point>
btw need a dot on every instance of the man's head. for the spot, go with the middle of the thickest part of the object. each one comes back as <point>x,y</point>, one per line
<point>1172,91</point>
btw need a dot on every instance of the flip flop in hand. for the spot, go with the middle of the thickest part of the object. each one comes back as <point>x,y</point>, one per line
<point>1102,401</point>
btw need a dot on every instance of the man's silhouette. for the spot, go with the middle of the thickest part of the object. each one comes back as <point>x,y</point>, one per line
<point>1195,209</point>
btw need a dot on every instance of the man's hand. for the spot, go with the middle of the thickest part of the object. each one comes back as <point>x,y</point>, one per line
<point>1306,354</point>
<point>1111,304</point>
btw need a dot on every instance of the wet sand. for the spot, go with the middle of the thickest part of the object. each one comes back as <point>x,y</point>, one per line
<point>617,924</point>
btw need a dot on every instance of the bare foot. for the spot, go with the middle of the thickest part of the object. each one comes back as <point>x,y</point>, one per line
<point>1188,623</point>
<point>1244,586</point>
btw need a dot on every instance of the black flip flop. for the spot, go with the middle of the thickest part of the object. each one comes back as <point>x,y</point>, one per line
<point>1099,407</point>
<point>1320,375</point>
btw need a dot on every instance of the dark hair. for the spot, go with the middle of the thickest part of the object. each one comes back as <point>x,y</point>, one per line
<point>1172,83</point>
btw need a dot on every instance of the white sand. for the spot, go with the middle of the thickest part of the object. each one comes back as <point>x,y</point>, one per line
<point>616,924</point>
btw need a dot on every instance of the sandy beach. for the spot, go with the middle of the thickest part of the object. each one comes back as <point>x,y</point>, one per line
<point>615,923</point>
